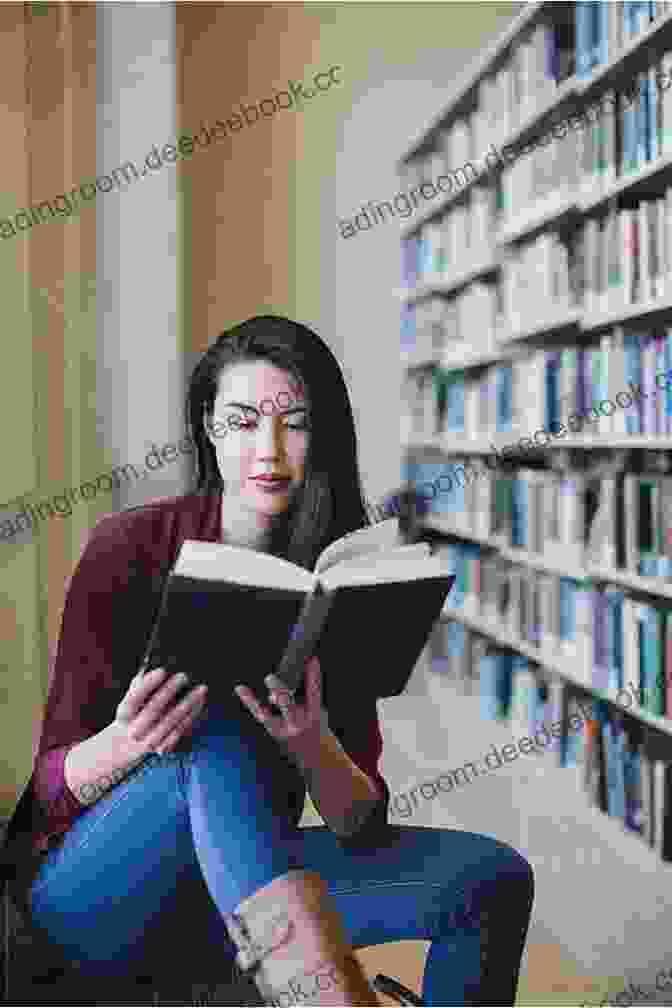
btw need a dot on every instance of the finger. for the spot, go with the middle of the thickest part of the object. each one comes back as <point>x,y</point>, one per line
<point>313,683</point>
<point>182,729</point>
<point>179,731</point>
<point>281,697</point>
<point>154,708</point>
<point>144,683</point>
<point>249,700</point>
<point>195,698</point>
<point>275,682</point>
<point>139,689</point>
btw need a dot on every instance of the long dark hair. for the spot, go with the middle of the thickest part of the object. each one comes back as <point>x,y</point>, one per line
<point>330,502</point>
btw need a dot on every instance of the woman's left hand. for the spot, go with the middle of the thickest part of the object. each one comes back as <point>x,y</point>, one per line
<point>298,723</point>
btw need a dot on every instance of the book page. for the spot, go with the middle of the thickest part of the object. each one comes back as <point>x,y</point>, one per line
<point>218,562</point>
<point>383,535</point>
<point>392,565</point>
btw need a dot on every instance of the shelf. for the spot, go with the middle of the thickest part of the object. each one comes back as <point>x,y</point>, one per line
<point>447,287</point>
<point>438,208</point>
<point>626,313</point>
<point>625,185</point>
<point>553,663</point>
<point>550,113</point>
<point>563,320</point>
<point>648,585</point>
<point>474,74</point>
<point>456,443</point>
<point>540,215</point>
<point>479,359</point>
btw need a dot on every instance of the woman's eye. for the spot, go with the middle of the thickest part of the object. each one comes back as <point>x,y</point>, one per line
<point>246,424</point>
<point>297,425</point>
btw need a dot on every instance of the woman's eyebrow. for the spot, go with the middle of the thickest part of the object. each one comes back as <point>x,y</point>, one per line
<point>242,406</point>
<point>294,409</point>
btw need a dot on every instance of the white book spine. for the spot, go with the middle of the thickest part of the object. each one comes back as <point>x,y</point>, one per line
<point>666,117</point>
<point>630,650</point>
<point>604,422</point>
<point>663,250</point>
<point>658,805</point>
<point>643,247</point>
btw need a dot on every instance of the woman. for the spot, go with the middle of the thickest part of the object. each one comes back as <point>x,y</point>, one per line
<point>159,813</point>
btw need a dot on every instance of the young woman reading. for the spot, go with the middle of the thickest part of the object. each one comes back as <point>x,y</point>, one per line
<point>168,817</point>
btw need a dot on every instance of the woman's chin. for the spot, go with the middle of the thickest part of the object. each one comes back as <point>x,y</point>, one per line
<point>269,504</point>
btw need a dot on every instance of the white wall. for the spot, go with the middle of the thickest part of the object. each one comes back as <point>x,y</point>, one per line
<point>140,364</point>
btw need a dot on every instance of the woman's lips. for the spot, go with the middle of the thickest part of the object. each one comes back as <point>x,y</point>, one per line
<point>271,484</point>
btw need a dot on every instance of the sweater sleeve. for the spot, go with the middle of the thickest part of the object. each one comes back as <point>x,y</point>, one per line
<point>363,743</point>
<point>81,676</point>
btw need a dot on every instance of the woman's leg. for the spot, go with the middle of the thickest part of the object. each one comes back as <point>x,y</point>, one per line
<point>113,894</point>
<point>469,894</point>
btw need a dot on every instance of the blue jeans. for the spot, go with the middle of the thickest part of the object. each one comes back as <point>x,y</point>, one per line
<point>190,834</point>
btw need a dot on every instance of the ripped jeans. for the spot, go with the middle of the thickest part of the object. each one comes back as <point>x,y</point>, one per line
<point>189,834</point>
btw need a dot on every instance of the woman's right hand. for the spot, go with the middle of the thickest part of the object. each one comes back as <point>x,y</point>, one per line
<point>147,718</point>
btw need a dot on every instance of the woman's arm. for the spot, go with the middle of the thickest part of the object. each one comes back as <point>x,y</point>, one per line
<point>147,720</point>
<point>343,794</point>
<point>91,768</point>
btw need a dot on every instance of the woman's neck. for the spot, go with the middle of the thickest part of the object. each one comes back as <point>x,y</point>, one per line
<point>240,527</point>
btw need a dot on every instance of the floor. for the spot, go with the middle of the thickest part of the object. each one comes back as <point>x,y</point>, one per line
<point>548,975</point>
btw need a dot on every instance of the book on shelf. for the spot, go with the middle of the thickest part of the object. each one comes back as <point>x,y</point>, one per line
<point>365,584</point>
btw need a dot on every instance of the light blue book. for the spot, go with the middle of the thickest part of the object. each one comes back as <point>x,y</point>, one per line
<point>619,740</point>
<point>567,600</point>
<point>629,124</point>
<point>633,373</point>
<point>602,42</point>
<point>642,120</point>
<point>495,684</point>
<point>667,392</point>
<point>455,401</point>
<point>614,600</point>
<point>584,40</point>
<point>652,99</point>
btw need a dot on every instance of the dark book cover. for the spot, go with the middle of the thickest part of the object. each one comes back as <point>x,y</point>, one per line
<point>368,637</point>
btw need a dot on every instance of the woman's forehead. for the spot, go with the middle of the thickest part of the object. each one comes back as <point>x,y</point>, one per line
<point>251,381</point>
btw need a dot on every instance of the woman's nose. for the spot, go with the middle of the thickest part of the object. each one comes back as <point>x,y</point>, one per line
<point>268,438</point>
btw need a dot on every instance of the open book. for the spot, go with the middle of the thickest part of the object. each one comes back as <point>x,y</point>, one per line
<point>230,615</point>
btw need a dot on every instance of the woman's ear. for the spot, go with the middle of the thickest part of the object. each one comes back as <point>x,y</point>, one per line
<point>209,428</point>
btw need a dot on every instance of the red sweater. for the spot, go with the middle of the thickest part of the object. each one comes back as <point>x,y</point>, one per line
<point>111,603</point>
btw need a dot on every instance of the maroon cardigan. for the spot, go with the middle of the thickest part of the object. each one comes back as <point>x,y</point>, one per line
<point>112,600</point>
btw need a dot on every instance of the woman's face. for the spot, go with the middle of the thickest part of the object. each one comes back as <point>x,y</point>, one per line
<point>259,428</point>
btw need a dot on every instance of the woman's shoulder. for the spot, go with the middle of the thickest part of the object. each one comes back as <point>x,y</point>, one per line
<point>154,525</point>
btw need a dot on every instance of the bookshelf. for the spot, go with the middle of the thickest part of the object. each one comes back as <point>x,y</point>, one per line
<point>539,287</point>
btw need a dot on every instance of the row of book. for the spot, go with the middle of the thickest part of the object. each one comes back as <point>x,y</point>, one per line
<point>604,29</point>
<point>592,519</point>
<point>625,130</point>
<point>540,280</point>
<point>619,386</point>
<point>525,81</point>
<point>621,765</point>
<point>627,256</point>
<point>615,137</point>
<point>434,326</point>
<point>622,258</point>
<point>452,243</point>
<point>608,639</point>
